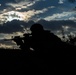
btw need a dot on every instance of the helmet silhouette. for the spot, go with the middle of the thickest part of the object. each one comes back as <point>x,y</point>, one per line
<point>36,28</point>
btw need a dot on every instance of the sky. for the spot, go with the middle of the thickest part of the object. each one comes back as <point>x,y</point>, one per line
<point>35,10</point>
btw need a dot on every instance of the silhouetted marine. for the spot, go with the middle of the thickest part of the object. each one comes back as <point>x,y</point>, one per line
<point>38,39</point>
<point>44,48</point>
<point>42,39</point>
<point>45,45</point>
<point>43,51</point>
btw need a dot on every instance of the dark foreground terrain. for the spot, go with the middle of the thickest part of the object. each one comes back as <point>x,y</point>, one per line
<point>14,62</point>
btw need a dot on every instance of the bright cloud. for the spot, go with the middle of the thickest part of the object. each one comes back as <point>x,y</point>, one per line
<point>61,1</point>
<point>22,4</point>
<point>4,46</point>
<point>72,18</point>
<point>60,16</point>
<point>65,28</point>
<point>26,16</point>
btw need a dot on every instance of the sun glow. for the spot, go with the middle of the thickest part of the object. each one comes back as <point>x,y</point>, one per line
<point>15,15</point>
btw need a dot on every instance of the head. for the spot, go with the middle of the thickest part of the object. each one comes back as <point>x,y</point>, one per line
<point>36,28</point>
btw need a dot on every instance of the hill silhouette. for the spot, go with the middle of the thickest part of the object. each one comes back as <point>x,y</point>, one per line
<point>42,53</point>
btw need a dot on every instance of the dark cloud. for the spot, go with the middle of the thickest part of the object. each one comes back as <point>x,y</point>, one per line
<point>15,25</point>
<point>72,1</point>
<point>74,9</point>
<point>44,4</point>
<point>3,4</point>
<point>57,25</point>
<point>6,1</point>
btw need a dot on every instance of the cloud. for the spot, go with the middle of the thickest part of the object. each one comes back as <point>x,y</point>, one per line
<point>61,1</point>
<point>22,4</point>
<point>72,1</point>
<point>4,46</point>
<point>55,25</point>
<point>14,26</point>
<point>60,16</point>
<point>65,28</point>
<point>10,27</point>
<point>74,9</point>
<point>72,18</point>
<point>8,45</point>
<point>29,14</point>
<point>0,4</point>
<point>17,27</point>
<point>7,15</point>
<point>57,11</point>
<point>35,9</point>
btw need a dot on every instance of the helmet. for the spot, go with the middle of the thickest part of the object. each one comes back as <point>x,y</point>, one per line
<point>36,27</point>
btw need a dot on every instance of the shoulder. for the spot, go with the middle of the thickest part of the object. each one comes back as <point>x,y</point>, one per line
<point>52,35</point>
